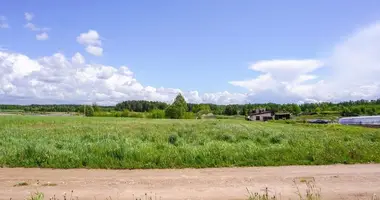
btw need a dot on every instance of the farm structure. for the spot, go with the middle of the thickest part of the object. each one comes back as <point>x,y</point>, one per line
<point>261,114</point>
<point>371,121</point>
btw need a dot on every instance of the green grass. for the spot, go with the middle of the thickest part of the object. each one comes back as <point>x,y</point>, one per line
<point>80,142</point>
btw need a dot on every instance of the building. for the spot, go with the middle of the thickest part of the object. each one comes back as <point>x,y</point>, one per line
<point>261,114</point>
<point>369,121</point>
<point>279,116</point>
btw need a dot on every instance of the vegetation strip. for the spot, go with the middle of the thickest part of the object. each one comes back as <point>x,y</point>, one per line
<point>126,143</point>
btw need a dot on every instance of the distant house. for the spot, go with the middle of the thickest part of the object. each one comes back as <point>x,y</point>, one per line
<point>261,114</point>
<point>278,116</point>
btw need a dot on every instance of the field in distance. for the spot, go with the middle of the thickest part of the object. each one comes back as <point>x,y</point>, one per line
<point>125,143</point>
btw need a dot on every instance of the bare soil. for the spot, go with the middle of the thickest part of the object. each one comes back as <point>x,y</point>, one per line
<point>335,182</point>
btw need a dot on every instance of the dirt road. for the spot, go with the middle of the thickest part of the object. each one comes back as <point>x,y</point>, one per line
<point>336,182</point>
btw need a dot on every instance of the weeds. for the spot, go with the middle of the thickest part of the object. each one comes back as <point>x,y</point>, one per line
<point>36,196</point>
<point>264,196</point>
<point>312,191</point>
<point>21,184</point>
<point>49,184</point>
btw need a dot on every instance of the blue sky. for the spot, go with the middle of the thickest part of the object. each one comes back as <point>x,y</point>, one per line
<point>191,45</point>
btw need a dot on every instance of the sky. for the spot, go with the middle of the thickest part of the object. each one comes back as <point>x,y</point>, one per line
<point>223,52</point>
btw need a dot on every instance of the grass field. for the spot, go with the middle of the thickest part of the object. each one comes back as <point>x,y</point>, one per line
<point>79,142</point>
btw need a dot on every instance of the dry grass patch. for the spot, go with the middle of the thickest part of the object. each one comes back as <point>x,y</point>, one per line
<point>19,184</point>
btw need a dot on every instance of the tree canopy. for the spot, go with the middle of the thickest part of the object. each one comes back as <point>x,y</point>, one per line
<point>177,109</point>
<point>348,108</point>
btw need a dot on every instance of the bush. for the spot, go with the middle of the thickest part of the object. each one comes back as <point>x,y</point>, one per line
<point>136,115</point>
<point>174,112</point>
<point>117,114</point>
<point>173,139</point>
<point>125,113</point>
<point>188,115</point>
<point>103,114</point>
<point>157,114</point>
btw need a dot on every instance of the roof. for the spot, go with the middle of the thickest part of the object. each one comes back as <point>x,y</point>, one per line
<point>282,113</point>
<point>260,113</point>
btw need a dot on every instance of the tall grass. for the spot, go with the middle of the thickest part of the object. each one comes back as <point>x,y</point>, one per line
<point>79,142</point>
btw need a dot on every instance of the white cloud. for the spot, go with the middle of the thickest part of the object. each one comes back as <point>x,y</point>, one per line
<point>3,22</point>
<point>33,27</point>
<point>78,59</point>
<point>28,16</point>
<point>57,79</point>
<point>42,36</point>
<point>351,73</point>
<point>91,40</point>
<point>94,50</point>
<point>280,81</point>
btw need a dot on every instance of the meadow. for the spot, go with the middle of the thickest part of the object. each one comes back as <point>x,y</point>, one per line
<point>131,143</point>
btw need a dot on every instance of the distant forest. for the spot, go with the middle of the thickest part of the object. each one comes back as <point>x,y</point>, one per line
<point>348,108</point>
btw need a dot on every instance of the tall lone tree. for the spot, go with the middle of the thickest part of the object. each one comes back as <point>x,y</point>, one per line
<point>178,108</point>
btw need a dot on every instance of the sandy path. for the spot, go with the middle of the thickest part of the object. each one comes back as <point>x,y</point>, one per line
<point>336,182</point>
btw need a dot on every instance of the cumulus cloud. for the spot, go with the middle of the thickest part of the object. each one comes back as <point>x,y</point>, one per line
<point>352,73</point>
<point>90,38</point>
<point>28,16</point>
<point>279,72</point>
<point>94,50</point>
<point>92,41</point>
<point>3,22</point>
<point>58,79</point>
<point>78,59</point>
<point>43,35</point>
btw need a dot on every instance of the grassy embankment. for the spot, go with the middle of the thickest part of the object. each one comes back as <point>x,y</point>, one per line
<point>79,142</point>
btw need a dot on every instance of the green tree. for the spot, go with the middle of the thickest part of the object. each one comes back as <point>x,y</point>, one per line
<point>346,111</point>
<point>296,109</point>
<point>231,110</point>
<point>318,110</point>
<point>178,109</point>
<point>96,107</point>
<point>180,102</point>
<point>89,111</point>
<point>201,107</point>
<point>356,111</point>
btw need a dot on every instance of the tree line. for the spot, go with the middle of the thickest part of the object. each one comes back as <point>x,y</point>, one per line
<point>347,108</point>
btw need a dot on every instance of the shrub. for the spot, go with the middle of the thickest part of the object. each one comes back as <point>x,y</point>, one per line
<point>117,114</point>
<point>157,114</point>
<point>188,115</point>
<point>174,112</point>
<point>136,115</point>
<point>173,139</point>
<point>276,139</point>
<point>125,113</point>
<point>103,114</point>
